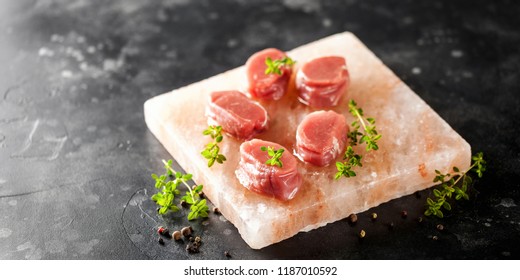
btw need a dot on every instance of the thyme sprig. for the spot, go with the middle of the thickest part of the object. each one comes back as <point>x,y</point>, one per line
<point>449,186</point>
<point>275,66</point>
<point>275,155</point>
<point>369,136</point>
<point>165,198</point>
<point>351,159</point>
<point>168,190</point>
<point>212,151</point>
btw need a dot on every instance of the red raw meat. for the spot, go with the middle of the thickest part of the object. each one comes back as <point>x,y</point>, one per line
<point>321,137</point>
<point>279,182</point>
<point>238,115</point>
<point>322,81</point>
<point>266,86</point>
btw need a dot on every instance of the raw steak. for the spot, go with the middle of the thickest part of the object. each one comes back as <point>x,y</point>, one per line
<point>238,115</point>
<point>321,82</point>
<point>279,182</point>
<point>266,86</point>
<point>415,142</point>
<point>321,137</point>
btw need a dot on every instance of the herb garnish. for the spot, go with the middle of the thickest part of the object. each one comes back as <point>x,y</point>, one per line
<point>212,151</point>
<point>370,137</point>
<point>275,66</point>
<point>345,168</point>
<point>165,198</point>
<point>449,186</point>
<point>275,155</point>
<point>168,189</point>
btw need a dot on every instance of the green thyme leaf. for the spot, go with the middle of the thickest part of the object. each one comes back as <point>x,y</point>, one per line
<point>370,137</point>
<point>211,151</point>
<point>275,66</point>
<point>457,184</point>
<point>350,160</point>
<point>276,156</point>
<point>166,197</point>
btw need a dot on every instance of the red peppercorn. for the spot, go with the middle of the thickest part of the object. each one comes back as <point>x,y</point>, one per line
<point>160,230</point>
<point>164,232</point>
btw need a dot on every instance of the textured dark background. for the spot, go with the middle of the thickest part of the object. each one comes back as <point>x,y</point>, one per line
<point>76,156</point>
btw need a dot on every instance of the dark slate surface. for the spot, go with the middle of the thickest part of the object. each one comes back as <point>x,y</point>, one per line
<point>76,156</point>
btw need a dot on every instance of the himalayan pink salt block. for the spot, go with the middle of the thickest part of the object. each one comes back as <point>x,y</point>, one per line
<point>415,142</point>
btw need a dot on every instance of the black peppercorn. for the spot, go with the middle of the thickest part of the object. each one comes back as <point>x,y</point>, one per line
<point>227,254</point>
<point>435,237</point>
<point>192,248</point>
<point>440,227</point>
<point>161,241</point>
<point>194,245</point>
<point>404,214</point>
<point>391,226</point>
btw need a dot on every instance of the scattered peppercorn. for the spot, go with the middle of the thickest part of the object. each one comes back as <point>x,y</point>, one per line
<point>184,203</point>
<point>177,235</point>
<point>160,230</point>
<point>216,210</point>
<point>186,231</point>
<point>435,237</point>
<point>362,234</point>
<point>373,216</point>
<point>404,214</point>
<point>192,248</point>
<point>227,254</point>
<point>164,232</point>
<point>440,227</point>
<point>194,245</point>
<point>201,194</point>
<point>391,226</point>
<point>352,218</point>
<point>161,241</point>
